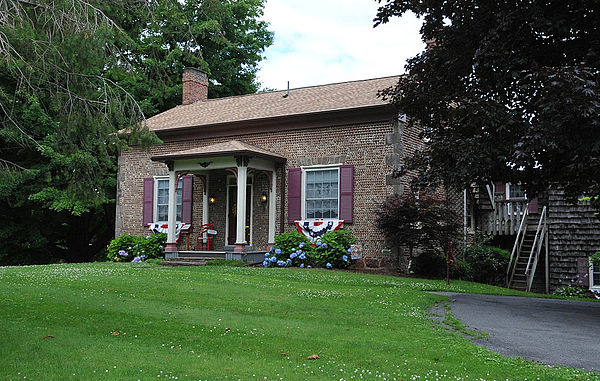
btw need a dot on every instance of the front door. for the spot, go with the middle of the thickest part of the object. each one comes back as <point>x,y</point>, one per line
<point>232,213</point>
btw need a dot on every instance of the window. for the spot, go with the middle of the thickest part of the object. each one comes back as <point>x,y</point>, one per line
<point>594,277</point>
<point>321,193</point>
<point>515,192</point>
<point>161,200</point>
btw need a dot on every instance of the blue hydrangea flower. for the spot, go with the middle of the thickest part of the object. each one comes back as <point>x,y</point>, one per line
<point>328,265</point>
<point>324,246</point>
<point>302,265</point>
<point>349,250</point>
<point>123,253</point>
<point>345,258</point>
<point>273,259</point>
<point>288,261</point>
<point>266,263</point>
<point>309,266</point>
<point>137,260</point>
<point>272,249</point>
<point>318,243</point>
<point>301,245</point>
<point>267,255</point>
<point>143,256</point>
<point>302,256</point>
<point>293,255</point>
<point>280,263</point>
<point>277,251</point>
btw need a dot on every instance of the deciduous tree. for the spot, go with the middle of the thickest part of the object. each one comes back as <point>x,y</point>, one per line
<point>506,91</point>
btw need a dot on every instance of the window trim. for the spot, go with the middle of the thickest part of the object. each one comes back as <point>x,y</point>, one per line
<point>155,198</point>
<point>310,168</point>
<point>591,277</point>
<point>508,185</point>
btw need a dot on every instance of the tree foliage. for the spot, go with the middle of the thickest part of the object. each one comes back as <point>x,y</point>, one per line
<point>74,73</point>
<point>507,91</point>
<point>426,222</point>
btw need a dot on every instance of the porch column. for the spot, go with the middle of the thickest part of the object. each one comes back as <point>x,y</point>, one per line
<point>242,174</point>
<point>272,208</point>
<point>172,216</point>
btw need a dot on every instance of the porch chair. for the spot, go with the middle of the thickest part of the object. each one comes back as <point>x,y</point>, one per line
<point>207,243</point>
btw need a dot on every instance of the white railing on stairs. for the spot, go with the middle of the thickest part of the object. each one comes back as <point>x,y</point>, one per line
<point>514,255</point>
<point>505,217</point>
<point>540,237</point>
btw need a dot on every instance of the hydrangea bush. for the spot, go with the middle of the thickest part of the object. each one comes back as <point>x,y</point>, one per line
<point>294,249</point>
<point>131,248</point>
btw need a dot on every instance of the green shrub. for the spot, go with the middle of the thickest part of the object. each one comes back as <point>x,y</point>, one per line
<point>128,248</point>
<point>333,249</point>
<point>488,264</point>
<point>430,263</point>
<point>294,249</point>
<point>290,249</point>
<point>576,291</point>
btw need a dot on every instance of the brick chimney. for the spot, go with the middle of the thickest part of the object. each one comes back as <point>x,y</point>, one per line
<point>195,86</point>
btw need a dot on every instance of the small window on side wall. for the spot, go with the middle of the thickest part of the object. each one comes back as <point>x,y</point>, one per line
<point>595,277</point>
<point>161,199</point>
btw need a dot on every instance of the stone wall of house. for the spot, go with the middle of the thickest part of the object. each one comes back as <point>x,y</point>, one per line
<point>362,145</point>
<point>574,235</point>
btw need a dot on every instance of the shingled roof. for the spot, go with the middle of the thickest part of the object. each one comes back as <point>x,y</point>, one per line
<point>305,100</point>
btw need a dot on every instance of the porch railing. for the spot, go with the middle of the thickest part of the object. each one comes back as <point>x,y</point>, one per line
<point>538,242</point>
<point>505,217</point>
<point>514,255</point>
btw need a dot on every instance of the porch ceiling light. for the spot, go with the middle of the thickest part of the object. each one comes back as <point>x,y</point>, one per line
<point>263,198</point>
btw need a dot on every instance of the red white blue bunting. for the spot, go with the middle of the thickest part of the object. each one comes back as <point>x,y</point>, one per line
<point>163,228</point>
<point>313,230</point>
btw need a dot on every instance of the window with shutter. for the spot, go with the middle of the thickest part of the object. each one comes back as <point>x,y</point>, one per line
<point>321,193</point>
<point>161,199</point>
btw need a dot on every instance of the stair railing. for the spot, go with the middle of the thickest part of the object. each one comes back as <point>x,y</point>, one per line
<point>514,255</point>
<point>536,249</point>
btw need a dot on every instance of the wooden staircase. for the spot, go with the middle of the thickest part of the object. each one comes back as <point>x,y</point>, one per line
<point>523,272</point>
<point>519,281</point>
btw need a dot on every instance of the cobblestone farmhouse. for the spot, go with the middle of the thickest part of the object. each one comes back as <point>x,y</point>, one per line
<point>234,172</point>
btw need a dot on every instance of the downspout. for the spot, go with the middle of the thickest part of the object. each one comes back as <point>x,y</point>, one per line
<point>464,218</point>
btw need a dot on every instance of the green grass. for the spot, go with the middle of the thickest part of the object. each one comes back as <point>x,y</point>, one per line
<point>222,322</point>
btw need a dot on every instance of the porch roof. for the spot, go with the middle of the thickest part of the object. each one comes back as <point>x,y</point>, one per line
<point>229,148</point>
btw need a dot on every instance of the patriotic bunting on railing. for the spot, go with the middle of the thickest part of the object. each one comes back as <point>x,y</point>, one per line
<point>313,230</point>
<point>163,228</point>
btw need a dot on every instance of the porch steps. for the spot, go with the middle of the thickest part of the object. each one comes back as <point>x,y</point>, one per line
<point>519,281</point>
<point>189,258</point>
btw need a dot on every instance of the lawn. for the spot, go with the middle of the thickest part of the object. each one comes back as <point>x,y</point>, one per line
<point>134,321</point>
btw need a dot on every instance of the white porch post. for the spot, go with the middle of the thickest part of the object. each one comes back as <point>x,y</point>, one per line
<point>242,173</point>
<point>172,216</point>
<point>272,208</point>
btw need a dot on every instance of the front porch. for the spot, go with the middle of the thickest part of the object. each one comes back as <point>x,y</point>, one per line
<point>230,205</point>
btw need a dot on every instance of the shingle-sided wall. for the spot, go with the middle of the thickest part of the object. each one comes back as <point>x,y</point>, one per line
<point>362,145</point>
<point>574,232</point>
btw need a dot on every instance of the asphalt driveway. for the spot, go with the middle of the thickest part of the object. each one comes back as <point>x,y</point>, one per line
<point>551,331</point>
